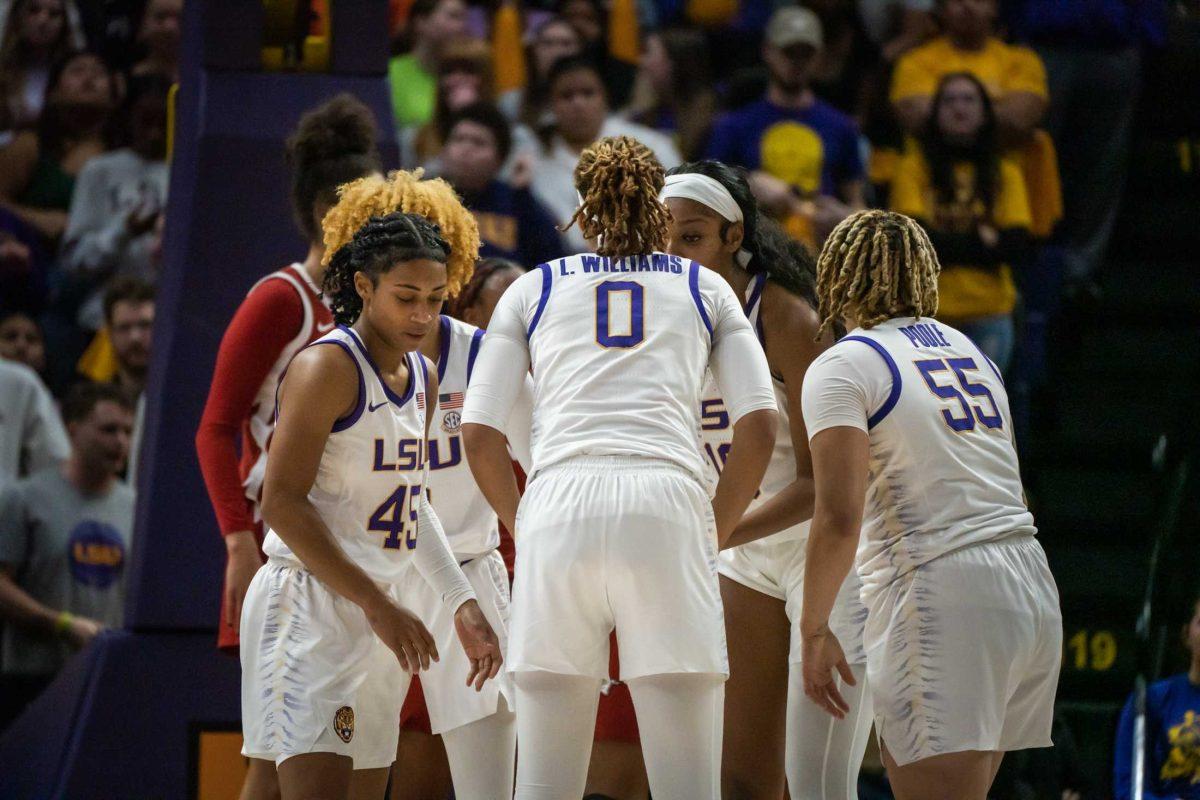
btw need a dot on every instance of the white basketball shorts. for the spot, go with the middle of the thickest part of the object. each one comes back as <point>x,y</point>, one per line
<point>451,703</point>
<point>315,677</point>
<point>606,542</point>
<point>774,566</point>
<point>963,652</point>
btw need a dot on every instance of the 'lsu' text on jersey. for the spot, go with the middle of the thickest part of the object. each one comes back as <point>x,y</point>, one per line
<point>716,431</point>
<point>943,468</point>
<point>619,357</point>
<point>371,476</point>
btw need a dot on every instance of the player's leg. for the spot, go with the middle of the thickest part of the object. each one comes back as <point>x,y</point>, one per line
<point>315,775</point>
<point>421,770</point>
<point>617,770</point>
<point>554,728</point>
<point>757,631</point>
<point>680,718</point>
<point>261,782</point>
<point>965,775</point>
<point>824,754</point>
<point>482,756</point>
<point>369,784</point>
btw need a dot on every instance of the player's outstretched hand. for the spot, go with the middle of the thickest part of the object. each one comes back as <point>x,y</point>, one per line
<point>406,635</point>
<point>479,642</point>
<point>821,655</point>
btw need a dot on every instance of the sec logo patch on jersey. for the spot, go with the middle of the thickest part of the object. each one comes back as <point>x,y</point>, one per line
<point>451,421</point>
<point>343,723</point>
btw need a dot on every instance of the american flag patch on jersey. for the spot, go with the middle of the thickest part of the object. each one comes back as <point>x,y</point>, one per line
<point>421,400</point>
<point>450,400</point>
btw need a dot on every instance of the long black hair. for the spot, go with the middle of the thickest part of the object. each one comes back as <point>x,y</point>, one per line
<point>983,153</point>
<point>376,247</point>
<point>785,261</point>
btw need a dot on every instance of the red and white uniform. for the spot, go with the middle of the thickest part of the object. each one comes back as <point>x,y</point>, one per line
<point>281,314</point>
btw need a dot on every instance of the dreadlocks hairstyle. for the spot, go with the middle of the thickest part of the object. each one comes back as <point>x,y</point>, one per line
<point>878,264</point>
<point>484,270</point>
<point>375,247</point>
<point>786,262</point>
<point>619,180</point>
<point>374,196</point>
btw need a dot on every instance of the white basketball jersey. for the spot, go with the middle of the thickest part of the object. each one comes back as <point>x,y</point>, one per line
<point>369,483</point>
<point>470,524</point>
<point>716,432</point>
<point>943,469</point>
<point>618,352</point>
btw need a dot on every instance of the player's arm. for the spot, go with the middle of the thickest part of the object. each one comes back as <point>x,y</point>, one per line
<point>436,562</point>
<point>741,370</point>
<point>501,372</point>
<point>321,387</point>
<point>791,325</point>
<point>268,319</point>
<point>835,399</point>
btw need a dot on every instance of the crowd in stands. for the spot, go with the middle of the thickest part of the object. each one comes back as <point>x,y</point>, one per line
<point>1002,126</point>
<point>83,186</point>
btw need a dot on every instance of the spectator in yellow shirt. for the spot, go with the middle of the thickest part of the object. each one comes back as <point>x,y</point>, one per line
<point>1014,77</point>
<point>973,203</point>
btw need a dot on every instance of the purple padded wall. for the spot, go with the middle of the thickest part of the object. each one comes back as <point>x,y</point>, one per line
<point>228,223</point>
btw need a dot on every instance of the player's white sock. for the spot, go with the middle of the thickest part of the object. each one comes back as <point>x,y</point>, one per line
<point>555,727</point>
<point>823,755</point>
<point>482,756</point>
<point>681,720</point>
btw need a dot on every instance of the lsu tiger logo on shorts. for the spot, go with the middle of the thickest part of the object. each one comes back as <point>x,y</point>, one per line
<point>343,723</point>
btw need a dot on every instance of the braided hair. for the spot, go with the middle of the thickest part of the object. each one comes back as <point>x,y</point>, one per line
<point>435,200</point>
<point>619,179</point>
<point>786,262</point>
<point>374,249</point>
<point>878,265</point>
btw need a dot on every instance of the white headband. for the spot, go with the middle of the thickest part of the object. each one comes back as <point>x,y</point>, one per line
<point>707,192</point>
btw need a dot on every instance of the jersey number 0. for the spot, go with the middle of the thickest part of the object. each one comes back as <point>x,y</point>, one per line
<point>619,306</point>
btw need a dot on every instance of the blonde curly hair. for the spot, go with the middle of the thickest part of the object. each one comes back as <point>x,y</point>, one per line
<point>433,199</point>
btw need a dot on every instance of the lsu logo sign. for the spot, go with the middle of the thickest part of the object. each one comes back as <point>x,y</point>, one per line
<point>96,554</point>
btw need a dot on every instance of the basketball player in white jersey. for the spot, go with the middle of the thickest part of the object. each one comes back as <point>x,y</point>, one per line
<point>326,636</point>
<point>770,728</point>
<point>615,528</point>
<point>478,729</point>
<point>964,632</point>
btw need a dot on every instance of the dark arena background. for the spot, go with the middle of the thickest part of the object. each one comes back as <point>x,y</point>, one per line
<point>1102,378</point>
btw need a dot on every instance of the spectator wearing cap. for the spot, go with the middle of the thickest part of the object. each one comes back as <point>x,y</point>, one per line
<point>803,153</point>
<point>64,539</point>
<point>512,223</point>
<point>1014,76</point>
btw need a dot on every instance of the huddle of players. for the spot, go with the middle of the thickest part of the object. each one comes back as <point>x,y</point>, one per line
<point>597,371</point>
